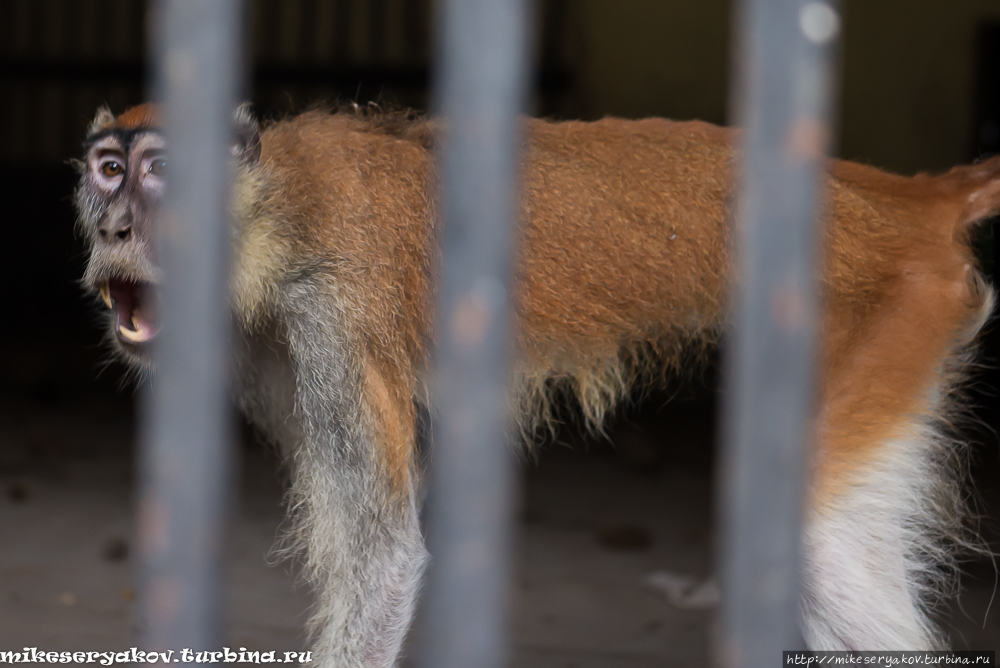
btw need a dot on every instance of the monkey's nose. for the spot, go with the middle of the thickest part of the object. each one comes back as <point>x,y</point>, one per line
<point>115,233</point>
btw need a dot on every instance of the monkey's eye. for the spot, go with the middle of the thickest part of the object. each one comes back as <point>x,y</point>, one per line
<point>112,168</point>
<point>159,167</point>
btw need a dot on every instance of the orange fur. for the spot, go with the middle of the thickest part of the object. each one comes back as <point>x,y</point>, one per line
<point>394,423</point>
<point>623,262</point>
<point>143,116</point>
<point>898,304</point>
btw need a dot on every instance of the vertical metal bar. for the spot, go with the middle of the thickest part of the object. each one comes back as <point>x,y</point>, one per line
<point>783,95</point>
<point>185,467</point>
<point>482,89</point>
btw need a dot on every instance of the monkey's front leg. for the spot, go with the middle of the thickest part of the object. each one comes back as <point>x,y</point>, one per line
<point>354,507</point>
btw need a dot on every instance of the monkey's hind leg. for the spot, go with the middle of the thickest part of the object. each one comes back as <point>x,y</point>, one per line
<point>356,518</point>
<point>875,559</point>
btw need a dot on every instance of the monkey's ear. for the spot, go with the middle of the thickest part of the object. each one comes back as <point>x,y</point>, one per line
<point>246,135</point>
<point>103,119</point>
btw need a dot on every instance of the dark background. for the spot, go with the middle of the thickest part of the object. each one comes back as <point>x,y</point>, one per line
<point>920,91</point>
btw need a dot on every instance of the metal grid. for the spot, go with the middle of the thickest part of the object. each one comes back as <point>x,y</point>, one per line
<point>784,93</point>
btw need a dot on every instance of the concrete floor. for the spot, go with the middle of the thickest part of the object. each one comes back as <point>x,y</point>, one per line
<point>595,524</point>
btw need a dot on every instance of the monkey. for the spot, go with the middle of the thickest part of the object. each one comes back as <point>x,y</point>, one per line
<point>623,263</point>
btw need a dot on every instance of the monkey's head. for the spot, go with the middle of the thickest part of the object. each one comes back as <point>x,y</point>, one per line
<point>122,182</point>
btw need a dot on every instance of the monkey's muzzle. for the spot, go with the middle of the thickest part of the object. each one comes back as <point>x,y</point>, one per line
<point>134,309</point>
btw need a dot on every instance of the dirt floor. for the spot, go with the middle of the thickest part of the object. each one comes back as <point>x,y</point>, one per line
<point>592,531</point>
<point>598,525</point>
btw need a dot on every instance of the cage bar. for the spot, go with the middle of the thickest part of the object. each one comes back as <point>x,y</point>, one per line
<point>783,96</point>
<point>481,88</point>
<point>186,465</point>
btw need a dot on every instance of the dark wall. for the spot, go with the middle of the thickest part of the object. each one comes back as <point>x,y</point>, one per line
<point>920,90</point>
<point>61,59</point>
<point>50,348</point>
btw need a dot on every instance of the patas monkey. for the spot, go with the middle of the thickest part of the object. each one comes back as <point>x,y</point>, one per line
<point>623,262</point>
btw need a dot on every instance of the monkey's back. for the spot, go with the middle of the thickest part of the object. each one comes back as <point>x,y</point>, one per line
<point>622,259</point>
<point>623,252</point>
<point>624,263</point>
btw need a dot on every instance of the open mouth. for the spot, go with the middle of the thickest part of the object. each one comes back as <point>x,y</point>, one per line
<point>134,305</point>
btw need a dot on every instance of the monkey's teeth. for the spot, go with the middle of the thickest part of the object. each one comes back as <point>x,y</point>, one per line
<point>106,294</point>
<point>140,335</point>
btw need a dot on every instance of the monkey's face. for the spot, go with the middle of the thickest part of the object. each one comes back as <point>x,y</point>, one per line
<point>122,183</point>
<point>121,187</point>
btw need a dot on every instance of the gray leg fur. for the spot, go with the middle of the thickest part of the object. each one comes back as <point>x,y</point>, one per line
<point>363,548</point>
